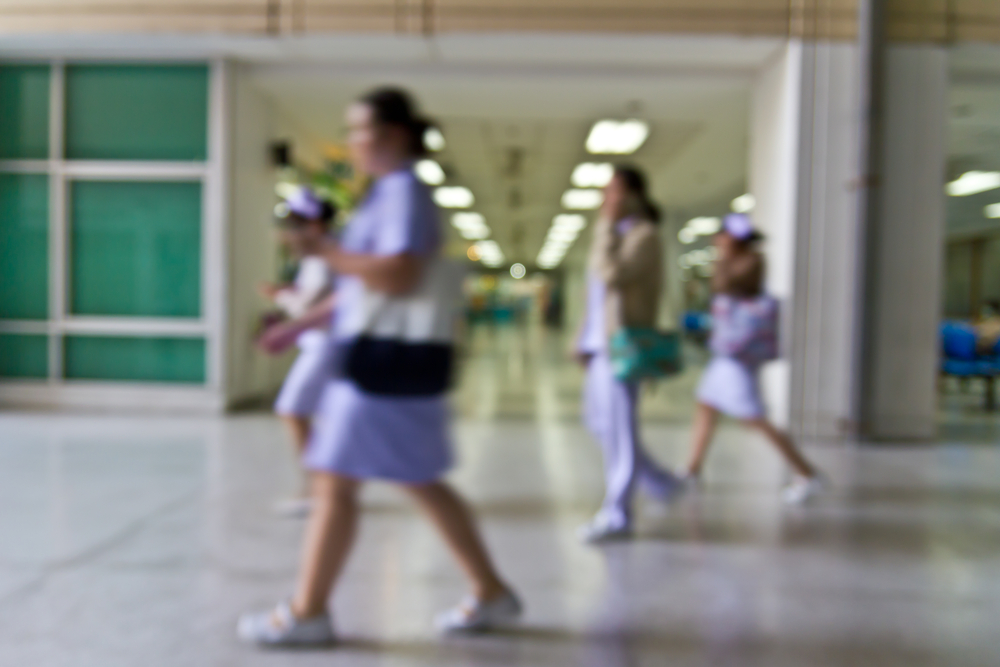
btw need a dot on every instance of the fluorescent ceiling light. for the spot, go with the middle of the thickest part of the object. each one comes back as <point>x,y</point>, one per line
<point>617,137</point>
<point>973,182</point>
<point>470,225</point>
<point>430,172</point>
<point>573,221</point>
<point>582,200</point>
<point>454,197</point>
<point>433,139</point>
<point>704,226</point>
<point>992,211</point>
<point>517,271</point>
<point>564,235</point>
<point>592,174</point>
<point>743,203</point>
<point>687,236</point>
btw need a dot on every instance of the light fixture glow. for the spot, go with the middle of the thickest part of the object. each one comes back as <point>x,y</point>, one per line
<point>517,271</point>
<point>566,235</point>
<point>473,253</point>
<point>992,211</point>
<point>573,221</point>
<point>433,139</point>
<point>454,197</point>
<point>617,137</point>
<point>582,200</point>
<point>973,182</point>
<point>430,172</point>
<point>592,174</point>
<point>286,190</point>
<point>704,226</point>
<point>470,225</point>
<point>743,203</point>
<point>687,236</point>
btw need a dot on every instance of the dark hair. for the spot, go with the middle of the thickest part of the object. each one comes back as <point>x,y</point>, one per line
<point>327,213</point>
<point>394,106</point>
<point>741,276</point>
<point>635,182</point>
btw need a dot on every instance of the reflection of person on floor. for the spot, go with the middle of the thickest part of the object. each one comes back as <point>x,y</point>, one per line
<point>304,221</point>
<point>744,336</point>
<point>623,289</point>
<point>360,435</point>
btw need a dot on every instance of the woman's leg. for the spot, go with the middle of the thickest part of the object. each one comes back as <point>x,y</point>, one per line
<point>454,520</point>
<point>328,540</point>
<point>704,427</point>
<point>299,428</point>
<point>784,445</point>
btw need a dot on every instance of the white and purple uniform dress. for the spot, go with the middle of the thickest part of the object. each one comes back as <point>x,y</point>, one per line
<point>303,386</point>
<point>362,435</point>
<point>609,412</point>
<point>744,336</point>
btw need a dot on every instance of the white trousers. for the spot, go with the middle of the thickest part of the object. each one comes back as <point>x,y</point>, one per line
<point>609,412</point>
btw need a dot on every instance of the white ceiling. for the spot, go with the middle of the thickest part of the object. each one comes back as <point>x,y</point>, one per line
<point>516,110</point>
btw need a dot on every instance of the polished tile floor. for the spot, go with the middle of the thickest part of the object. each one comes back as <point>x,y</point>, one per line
<point>137,541</point>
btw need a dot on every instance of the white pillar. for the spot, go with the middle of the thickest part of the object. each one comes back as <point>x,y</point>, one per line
<point>803,167</point>
<point>904,281</point>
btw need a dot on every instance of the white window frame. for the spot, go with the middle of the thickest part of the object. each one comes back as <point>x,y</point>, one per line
<point>212,174</point>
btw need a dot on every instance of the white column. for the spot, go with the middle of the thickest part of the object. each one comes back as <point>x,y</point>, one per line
<point>904,281</point>
<point>803,167</point>
<point>773,154</point>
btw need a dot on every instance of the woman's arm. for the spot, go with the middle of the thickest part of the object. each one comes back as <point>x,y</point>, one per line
<point>392,274</point>
<point>283,335</point>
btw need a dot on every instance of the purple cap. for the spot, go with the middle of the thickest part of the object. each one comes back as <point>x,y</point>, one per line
<point>739,226</point>
<point>304,204</point>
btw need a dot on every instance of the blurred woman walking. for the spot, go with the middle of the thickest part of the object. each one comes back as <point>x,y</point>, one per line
<point>391,424</point>
<point>625,278</point>
<point>744,336</point>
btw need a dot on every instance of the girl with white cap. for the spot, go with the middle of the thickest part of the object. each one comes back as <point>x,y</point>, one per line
<point>744,336</point>
<point>304,220</point>
<point>362,435</point>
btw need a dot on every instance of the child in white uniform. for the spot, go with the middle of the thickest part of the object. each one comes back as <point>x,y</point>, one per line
<point>307,300</point>
<point>744,336</point>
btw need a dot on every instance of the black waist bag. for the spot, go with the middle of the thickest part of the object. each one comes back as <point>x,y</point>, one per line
<point>389,367</point>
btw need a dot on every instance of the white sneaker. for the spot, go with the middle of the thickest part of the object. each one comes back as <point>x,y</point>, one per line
<point>473,615</point>
<point>802,490</point>
<point>280,627</point>
<point>600,530</point>
<point>293,508</point>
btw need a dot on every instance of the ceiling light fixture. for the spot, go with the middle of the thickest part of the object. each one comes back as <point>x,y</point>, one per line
<point>592,174</point>
<point>617,137</point>
<point>582,200</point>
<point>743,203</point>
<point>973,182</point>
<point>454,197</point>
<point>573,221</point>
<point>433,139</point>
<point>992,211</point>
<point>704,226</point>
<point>429,171</point>
<point>517,271</point>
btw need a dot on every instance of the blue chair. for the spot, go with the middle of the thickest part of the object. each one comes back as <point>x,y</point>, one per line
<point>959,358</point>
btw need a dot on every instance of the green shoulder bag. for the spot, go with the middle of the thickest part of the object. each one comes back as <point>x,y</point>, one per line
<point>641,353</point>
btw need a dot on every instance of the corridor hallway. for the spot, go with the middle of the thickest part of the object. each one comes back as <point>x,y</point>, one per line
<point>131,541</point>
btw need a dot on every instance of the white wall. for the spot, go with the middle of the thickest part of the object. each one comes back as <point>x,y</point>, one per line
<point>908,247</point>
<point>803,161</point>
<point>773,158</point>
<point>253,251</point>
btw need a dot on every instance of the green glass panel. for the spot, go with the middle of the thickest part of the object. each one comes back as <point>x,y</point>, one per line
<point>24,356</point>
<point>135,248</point>
<point>134,359</point>
<point>24,246</point>
<point>24,111</point>
<point>136,112</point>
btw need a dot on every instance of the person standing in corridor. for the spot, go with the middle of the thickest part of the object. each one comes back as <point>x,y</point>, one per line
<point>625,276</point>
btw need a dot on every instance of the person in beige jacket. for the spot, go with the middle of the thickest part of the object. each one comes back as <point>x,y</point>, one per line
<point>625,278</point>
